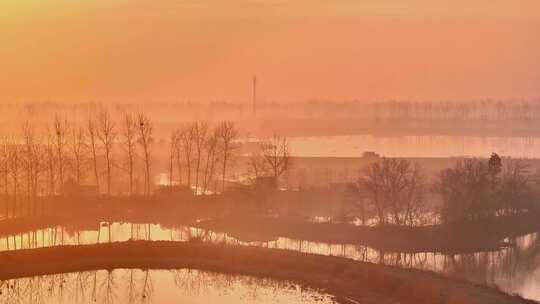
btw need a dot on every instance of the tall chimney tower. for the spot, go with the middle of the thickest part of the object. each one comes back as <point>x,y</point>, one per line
<point>254,95</point>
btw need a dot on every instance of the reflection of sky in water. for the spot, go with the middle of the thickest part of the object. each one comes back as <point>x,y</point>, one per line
<point>415,146</point>
<point>514,270</point>
<point>154,286</point>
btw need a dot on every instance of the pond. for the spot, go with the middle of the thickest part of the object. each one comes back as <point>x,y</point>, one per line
<point>154,286</point>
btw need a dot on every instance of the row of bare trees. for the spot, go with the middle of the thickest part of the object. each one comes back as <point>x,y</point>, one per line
<point>115,156</point>
<point>197,150</point>
<point>41,162</point>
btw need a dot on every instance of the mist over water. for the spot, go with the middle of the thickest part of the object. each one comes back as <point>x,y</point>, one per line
<point>269,151</point>
<point>415,146</point>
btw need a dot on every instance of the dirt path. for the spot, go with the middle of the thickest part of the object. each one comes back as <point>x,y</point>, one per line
<point>349,281</point>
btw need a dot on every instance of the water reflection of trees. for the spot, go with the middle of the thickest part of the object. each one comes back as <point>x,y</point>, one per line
<point>508,268</point>
<point>137,286</point>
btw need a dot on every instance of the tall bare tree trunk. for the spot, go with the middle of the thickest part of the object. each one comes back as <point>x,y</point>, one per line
<point>187,145</point>
<point>60,128</point>
<point>145,138</point>
<point>173,144</point>
<point>77,148</point>
<point>107,135</point>
<point>179,163</point>
<point>200,129</point>
<point>92,134</point>
<point>227,133</point>
<point>129,143</point>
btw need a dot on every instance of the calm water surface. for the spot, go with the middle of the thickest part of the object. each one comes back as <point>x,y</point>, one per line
<point>415,146</point>
<point>154,286</point>
<point>514,270</point>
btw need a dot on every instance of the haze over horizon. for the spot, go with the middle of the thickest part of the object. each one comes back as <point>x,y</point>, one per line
<point>121,50</point>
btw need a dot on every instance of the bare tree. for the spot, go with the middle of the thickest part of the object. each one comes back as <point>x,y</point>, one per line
<point>475,189</point>
<point>35,154</point>
<point>60,129</point>
<point>172,155</point>
<point>227,133</point>
<point>257,166</point>
<point>211,147</point>
<point>464,190</point>
<point>27,158</point>
<point>514,192</point>
<point>187,140</point>
<point>107,135</point>
<point>395,188</point>
<point>92,142</point>
<point>78,145</point>
<point>129,132</point>
<point>14,161</point>
<point>276,155</point>
<point>31,160</point>
<point>179,136</point>
<point>40,166</point>
<point>145,139</point>
<point>200,128</point>
<point>50,161</point>
<point>4,170</point>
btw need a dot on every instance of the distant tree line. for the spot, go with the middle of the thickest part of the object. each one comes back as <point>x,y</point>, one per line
<point>419,112</point>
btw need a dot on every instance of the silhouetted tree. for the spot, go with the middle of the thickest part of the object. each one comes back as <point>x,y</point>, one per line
<point>200,128</point>
<point>514,193</point>
<point>107,135</point>
<point>78,147</point>
<point>465,190</point>
<point>173,144</point>
<point>92,141</point>
<point>179,136</point>
<point>129,132</point>
<point>50,161</point>
<point>188,138</point>
<point>395,188</point>
<point>276,155</point>
<point>475,189</point>
<point>211,147</point>
<point>145,139</point>
<point>14,161</point>
<point>227,134</point>
<point>494,164</point>
<point>60,129</point>
<point>4,170</point>
<point>257,166</point>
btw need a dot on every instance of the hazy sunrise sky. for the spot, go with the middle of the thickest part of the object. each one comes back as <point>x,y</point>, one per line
<point>135,50</point>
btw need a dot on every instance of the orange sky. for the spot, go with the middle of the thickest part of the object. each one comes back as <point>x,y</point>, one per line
<point>141,50</point>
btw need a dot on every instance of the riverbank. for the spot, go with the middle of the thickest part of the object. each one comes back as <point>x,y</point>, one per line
<point>486,235</point>
<point>349,281</point>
